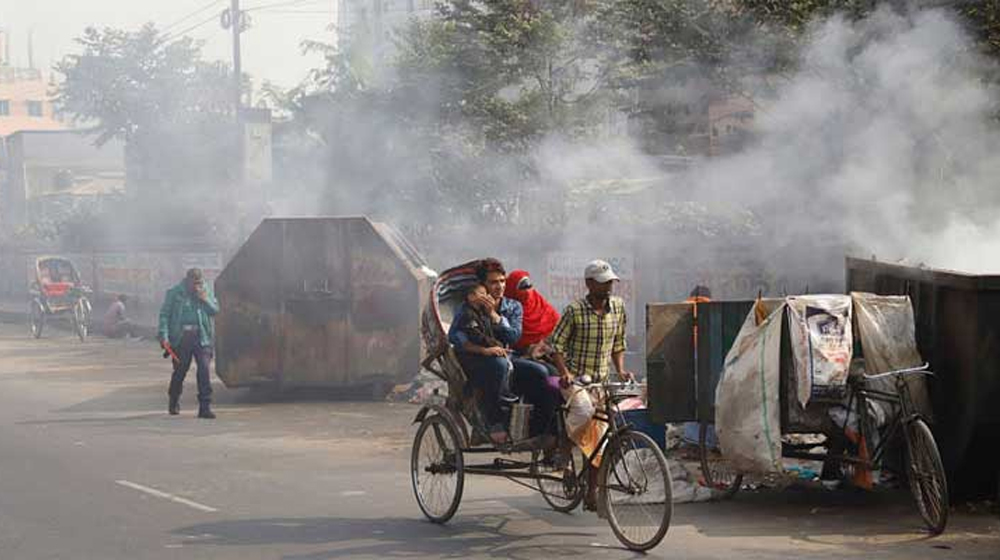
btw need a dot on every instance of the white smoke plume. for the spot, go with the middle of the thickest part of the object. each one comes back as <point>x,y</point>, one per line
<point>886,138</point>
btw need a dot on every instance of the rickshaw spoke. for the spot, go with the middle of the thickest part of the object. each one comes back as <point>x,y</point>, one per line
<point>436,469</point>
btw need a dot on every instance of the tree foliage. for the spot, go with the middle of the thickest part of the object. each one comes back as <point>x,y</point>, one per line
<point>172,109</point>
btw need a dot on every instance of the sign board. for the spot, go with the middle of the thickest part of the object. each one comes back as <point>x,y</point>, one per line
<point>565,284</point>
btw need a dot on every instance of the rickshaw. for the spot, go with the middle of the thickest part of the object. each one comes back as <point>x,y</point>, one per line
<point>58,292</point>
<point>888,408</point>
<point>633,478</point>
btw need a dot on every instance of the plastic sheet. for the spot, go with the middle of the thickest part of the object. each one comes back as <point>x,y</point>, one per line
<point>886,328</point>
<point>747,415</point>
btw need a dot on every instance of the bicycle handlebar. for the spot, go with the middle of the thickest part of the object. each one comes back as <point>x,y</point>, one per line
<point>922,370</point>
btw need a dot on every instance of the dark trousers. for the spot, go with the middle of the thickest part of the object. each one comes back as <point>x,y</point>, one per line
<point>120,330</point>
<point>531,382</point>
<point>190,347</point>
<point>489,374</point>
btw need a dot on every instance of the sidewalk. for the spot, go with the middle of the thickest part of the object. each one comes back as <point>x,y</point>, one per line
<point>15,310</point>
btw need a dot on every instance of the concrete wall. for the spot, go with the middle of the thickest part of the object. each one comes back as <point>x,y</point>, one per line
<point>143,275</point>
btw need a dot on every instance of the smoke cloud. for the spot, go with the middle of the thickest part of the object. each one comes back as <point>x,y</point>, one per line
<point>885,138</point>
<point>882,141</point>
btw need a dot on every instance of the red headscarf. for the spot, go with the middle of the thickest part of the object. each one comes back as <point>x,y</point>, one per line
<point>540,318</point>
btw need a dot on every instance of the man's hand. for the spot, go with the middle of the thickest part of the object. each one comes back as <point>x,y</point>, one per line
<point>495,351</point>
<point>483,302</point>
<point>626,375</point>
<point>565,379</point>
<point>538,350</point>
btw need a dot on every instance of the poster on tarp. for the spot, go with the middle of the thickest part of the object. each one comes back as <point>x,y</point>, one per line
<point>819,330</point>
<point>565,284</point>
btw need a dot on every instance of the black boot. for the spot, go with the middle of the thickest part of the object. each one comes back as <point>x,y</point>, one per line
<point>174,408</point>
<point>205,411</point>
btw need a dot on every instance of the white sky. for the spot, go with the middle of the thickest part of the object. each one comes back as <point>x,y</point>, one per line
<point>271,48</point>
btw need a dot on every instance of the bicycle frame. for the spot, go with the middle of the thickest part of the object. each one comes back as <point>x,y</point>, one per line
<point>508,468</point>
<point>903,411</point>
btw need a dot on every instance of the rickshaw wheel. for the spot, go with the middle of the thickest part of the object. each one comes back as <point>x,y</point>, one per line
<point>81,318</point>
<point>926,475</point>
<point>36,318</point>
<point>566,494</point>
<point>437,469</point>
<point>719,475</point>
<point>636,490</point>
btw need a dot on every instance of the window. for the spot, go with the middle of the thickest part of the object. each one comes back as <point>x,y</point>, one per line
<point>4,107</point>
<point>34,108</point>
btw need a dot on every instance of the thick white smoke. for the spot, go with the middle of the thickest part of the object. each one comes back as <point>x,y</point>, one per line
<point>885,138</point>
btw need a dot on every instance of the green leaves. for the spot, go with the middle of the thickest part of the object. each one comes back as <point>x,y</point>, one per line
<point>172,109</point>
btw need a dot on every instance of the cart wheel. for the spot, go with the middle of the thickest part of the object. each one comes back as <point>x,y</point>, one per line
<point>562,495</point>
<point>926,476</point>
<point>635,490</point>
<point>81,318</point>
<point>36,318</point>
<point>718,473</point>
<point>437,469</point>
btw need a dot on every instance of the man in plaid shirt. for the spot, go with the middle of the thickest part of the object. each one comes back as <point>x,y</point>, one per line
<point>591,332</point>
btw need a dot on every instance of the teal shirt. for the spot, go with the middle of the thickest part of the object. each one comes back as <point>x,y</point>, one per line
<point>181,308</point>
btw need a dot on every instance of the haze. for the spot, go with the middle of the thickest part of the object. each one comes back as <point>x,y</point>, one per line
<point>271,48</point>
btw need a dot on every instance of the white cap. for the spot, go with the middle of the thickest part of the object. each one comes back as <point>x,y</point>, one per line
<point>599,271</point>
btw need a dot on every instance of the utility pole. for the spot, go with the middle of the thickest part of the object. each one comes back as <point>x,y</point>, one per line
<point>236,19</point>
<point>236,23</point>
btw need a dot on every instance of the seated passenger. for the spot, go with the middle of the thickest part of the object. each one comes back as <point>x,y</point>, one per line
<point>488,366</point>
<point>539,317</point>
<point>474,330</point>
<point>531,366</point>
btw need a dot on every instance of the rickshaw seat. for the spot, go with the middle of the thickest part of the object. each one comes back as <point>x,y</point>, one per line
<point>56,289</point>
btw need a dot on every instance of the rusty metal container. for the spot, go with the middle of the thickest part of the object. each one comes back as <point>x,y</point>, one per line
<point>321,303</point>
<point>958,331</point>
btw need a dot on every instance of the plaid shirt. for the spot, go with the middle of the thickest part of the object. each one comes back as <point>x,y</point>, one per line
<point>587,340</point>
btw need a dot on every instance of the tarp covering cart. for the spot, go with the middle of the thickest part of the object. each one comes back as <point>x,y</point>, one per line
<point>842,367</point>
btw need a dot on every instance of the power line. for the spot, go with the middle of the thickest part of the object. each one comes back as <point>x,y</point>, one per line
<point>286,3</point>
<point>190,15</point>
<point>213,17</point>
<point>325,12</point>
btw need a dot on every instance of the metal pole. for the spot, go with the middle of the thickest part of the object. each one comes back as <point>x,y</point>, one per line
<point>236,19</point>
<point>234,12</point>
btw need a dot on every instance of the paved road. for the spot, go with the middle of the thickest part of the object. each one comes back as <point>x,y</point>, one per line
<point>91,467</point>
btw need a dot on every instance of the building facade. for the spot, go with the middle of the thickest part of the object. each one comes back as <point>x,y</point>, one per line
<point>25,102</point>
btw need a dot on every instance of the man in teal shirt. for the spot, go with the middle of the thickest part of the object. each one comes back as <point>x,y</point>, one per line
<point>186,332</point>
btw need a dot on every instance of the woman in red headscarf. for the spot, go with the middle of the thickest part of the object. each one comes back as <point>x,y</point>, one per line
<point>540,318</point>
<point>530,373</point>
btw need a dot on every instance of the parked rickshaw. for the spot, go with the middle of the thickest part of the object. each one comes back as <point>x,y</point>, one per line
<point>58,292</point>
<point>684,381</point>
<point>634,486</point>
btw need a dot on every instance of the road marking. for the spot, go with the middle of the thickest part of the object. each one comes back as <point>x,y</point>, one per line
<point>353,493</point>
<point>166,496</point>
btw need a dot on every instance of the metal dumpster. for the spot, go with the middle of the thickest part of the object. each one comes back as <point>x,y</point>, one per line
<point>958,332</point>
<point>322,303</point>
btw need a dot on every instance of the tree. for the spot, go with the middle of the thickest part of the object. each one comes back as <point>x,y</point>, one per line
<point>514,70</point>
<point>172,109</point>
